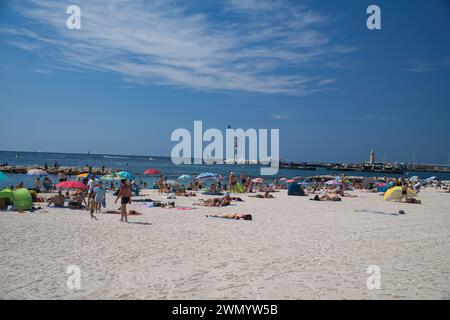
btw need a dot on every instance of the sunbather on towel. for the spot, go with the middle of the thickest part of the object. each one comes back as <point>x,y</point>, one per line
<point>266,195</point>
<point>216,202</point>
<point>327,197</point>
<point>236,216</point>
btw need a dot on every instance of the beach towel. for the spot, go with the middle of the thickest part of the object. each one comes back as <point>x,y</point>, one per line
<point>184,208</point>
<point>146,205</point>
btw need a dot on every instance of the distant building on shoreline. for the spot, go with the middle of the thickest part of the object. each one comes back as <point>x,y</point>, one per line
<point>372,157</point>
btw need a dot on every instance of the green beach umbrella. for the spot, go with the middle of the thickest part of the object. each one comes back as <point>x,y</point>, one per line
<point>111,176</point>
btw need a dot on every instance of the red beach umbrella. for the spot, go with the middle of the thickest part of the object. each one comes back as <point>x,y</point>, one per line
<point>152,171</point>
<point>290,181</point>
<point>72,185</point>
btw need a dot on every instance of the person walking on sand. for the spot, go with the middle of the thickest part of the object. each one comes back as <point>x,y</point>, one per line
<point>125,195</point>
<point>99,196</point>
<point>343,186</point>
<point>233,180</point>
<point>91,186</point>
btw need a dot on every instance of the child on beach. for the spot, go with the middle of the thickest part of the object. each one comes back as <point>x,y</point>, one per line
<point>99,196</point>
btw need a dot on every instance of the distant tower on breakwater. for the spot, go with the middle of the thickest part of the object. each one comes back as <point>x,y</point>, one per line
<point>372,157</point>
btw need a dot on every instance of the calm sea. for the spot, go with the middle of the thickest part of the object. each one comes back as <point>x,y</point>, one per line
<point>138,164</point>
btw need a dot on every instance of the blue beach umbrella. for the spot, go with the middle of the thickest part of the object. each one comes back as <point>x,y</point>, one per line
<point>184,177</point>
<point>125,175</point>
<point>206,175</point>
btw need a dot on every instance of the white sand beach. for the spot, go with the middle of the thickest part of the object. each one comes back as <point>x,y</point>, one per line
<point>293,248</point>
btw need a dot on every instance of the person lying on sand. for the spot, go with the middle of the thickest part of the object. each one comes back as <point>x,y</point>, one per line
<point>413,200</point>
<point>327,197</point>
<point>168,205</point>
<point>130,212</point>
<point>183,193</point>
<point>266,195</point>
<point>215,202</point>
<point>236,216</point>
<point>57,200</point>
<point>78,201</point>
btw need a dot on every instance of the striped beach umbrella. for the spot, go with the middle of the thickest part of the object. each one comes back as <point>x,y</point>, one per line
<point>36,172</point>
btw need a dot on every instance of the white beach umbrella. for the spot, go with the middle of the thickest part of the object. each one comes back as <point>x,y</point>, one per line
<point>36,172</point>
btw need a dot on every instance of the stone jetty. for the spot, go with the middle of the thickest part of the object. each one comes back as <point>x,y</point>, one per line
<point>69,171</point>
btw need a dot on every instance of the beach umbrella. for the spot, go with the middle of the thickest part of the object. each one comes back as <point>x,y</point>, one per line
<point>72,185</point>
<point>258,180</point>
<point>283,179</point>
<point>414,178</point>
<point>173,183</point>
<point>297,178</point>
<point>333,183</point>
<point>125,175</point>
<point>36,172</point>
<point>395,193</point>
<point>110,176</point>
<point>184,177</point>
<point>83,175</point>
<point>3,176</point>
<point>206,175</point>
<point>380,184</point>
<point>290,181</point>
<point>152,171</point>
<point>428,180</point>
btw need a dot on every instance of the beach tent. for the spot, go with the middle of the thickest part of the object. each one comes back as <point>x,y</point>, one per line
<point>395,194</point>
<point>294,189</point>
<point>6,194</point>
<point>239,188</point>
<point>22,199</point>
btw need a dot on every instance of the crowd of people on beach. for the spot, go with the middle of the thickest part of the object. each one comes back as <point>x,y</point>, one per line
<point>93,196</point>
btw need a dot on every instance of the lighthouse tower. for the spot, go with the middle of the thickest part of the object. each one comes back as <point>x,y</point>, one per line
<point>372,157</point>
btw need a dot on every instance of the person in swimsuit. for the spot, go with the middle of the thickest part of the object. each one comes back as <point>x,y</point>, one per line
<point>57,200</point>
<point>233,180</point>
<point>125,195</point>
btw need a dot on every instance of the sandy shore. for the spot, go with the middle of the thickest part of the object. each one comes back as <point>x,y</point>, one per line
<point>293,249</point>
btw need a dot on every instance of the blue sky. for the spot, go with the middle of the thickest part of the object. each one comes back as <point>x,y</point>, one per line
<point>137,70</point>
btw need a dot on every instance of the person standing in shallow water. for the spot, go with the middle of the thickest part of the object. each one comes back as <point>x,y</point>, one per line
<point>125,195</point>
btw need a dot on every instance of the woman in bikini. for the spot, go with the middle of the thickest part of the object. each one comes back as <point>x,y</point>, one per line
<point>125,195</point>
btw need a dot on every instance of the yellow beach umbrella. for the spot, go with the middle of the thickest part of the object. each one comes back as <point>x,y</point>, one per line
<point>395,193</point>
<point>83,175</point>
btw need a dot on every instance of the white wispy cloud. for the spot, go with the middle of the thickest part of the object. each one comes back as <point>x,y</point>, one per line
<point>246,45</point>
<point>42,71</point>
<point>281,116</point>
<point>420,65</point>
